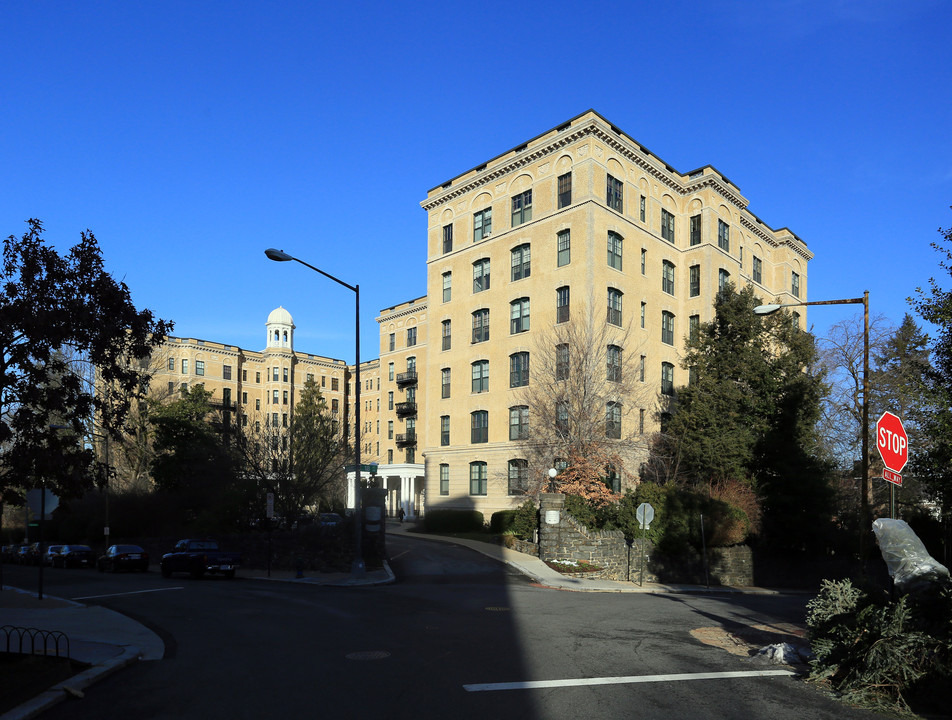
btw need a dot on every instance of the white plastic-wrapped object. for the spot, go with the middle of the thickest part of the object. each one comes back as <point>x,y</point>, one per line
<point>906,557</point>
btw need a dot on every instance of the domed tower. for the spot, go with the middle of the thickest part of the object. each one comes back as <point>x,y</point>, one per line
<point>280,329</point>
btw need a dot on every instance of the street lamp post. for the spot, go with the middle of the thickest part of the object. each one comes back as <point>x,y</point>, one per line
<point>864,460</point>
<point>357,568</point>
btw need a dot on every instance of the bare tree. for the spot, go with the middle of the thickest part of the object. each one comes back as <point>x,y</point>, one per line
<point>583,410</point>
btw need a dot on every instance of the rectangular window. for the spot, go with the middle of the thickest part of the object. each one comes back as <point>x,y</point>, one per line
<point>274,373</point>
<point>562,361</point>
<point>285,375</point>
<point>257,377</point>
<point>641,369</point>
<point>641,421</point>
<point>447,337</point>
<point>477,478</point>
<point>519,422</point>
<point>257,403</point>
<point>695,230</point>
<point>519,316</point>
<point>667,379</point>
<point>667,277</point>
<point>310,377</point>
<point>481,275</point>
<point>644,261</point>
<point>723,277</point>
<point>758,270</point>
<point>667,226</point>
<point>795,284</point>
<point>389,429</point>
<point>521,208</point>
<point>562,295</point>
<point>723,236</point>
<point>199,367</point>
<point>390,371</point>
<point>518,369</point>
<point>335,384</point>
<point>644,308</point>
<point>284,419</point>
<point>482,224</point>
<point>244,398</point>
<point>390,400</point>
<point>614,250</point>
<point>564,243</point>
<point>335,406</point>
<point>642,211</point>
<point>445,382</point>
<point>447,238</point>
<point>444,479</point>
<point>520,263</point>
<point>185,366</point>
<point>390,457</point>
<point>614,306</point>
<point>613,420</point>
<point>480,427</point>
<point>444,430</point>
<point>694,327</point>
<point>480,376</point>
<point>275,396</point>
<point>481,325</point>
<point>518,477</point>
<point>613,364</point>
<point>565,190</point>
<point>694,280</point>
<point>667,328</point>
<point>411,336</point>
<point>614,194</point>
<point>171,387</point>
<point>285,397</point>
<point>447,287</point>
<point>171,364</point>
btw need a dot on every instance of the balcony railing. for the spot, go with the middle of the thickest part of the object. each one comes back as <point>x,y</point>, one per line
<point>407,438</point>
<point>407,378</point>
<point>406,408</point>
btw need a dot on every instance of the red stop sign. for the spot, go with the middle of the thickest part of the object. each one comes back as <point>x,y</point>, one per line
<point>892,442</point>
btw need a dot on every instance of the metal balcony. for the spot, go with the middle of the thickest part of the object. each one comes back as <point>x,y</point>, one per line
<point>407,378</point>
<point>405,409</point>
<point>405,439</point>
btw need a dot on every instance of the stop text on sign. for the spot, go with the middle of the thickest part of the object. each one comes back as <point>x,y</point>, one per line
<point>891,441</point>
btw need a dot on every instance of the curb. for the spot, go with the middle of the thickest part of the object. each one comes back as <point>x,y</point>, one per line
<point>61,691</point>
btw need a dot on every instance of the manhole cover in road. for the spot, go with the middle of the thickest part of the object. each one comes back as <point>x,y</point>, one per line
<point>498,609</point>
<point>368,655</point>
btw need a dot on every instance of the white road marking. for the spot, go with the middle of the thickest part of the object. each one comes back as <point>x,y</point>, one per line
<point>134,592</point>
<point>623,680</point>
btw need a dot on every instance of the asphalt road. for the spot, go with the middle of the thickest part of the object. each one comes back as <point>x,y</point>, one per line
<point>446,641</point>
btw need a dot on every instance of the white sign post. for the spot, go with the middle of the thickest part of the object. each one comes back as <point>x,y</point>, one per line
<point>645,514</point>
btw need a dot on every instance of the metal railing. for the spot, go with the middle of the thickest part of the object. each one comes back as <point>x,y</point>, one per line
<point>48,639</point>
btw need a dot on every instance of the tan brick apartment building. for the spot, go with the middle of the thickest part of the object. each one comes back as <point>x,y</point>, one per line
<point>580,216</point>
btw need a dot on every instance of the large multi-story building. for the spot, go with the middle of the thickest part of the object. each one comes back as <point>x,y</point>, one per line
<point>578,216</point>
<point>580,220</point>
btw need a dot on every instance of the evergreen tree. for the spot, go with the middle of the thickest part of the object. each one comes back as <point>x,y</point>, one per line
<point>933,464</point>
<point>317,452</point>
<point>749,413</point>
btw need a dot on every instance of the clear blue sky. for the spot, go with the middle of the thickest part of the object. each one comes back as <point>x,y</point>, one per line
<point>190,136</point>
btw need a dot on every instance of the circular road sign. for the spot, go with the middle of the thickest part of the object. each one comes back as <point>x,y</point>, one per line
<point>892,442</point>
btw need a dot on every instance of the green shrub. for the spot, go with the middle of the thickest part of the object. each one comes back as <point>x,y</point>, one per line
<point>453,521</point>
<point>521,522</point>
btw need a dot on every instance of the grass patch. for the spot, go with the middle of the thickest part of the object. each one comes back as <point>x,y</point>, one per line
<point>572,566</point>
<point>23,677</point>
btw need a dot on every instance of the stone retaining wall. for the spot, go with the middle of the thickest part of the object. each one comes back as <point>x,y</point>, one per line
<point>562,537</point>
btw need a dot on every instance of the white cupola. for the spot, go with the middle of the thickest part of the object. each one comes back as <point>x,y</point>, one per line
<point>280,329</point>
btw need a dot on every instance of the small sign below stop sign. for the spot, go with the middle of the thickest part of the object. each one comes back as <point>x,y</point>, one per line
<point>892,442</point>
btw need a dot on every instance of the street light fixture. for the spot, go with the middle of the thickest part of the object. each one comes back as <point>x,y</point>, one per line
<point>357,569</point>
<point>864,460</point>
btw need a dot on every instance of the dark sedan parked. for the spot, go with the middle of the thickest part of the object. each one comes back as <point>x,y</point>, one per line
<point>75,556</point>
<point>123,557</point>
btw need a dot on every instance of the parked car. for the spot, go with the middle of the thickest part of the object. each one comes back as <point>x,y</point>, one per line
<point>51,552</point>
<point>23,555</point>
<point>75,556</point>
<point>8,553</point>
<point>197,557</point>
<point>123,557</point>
